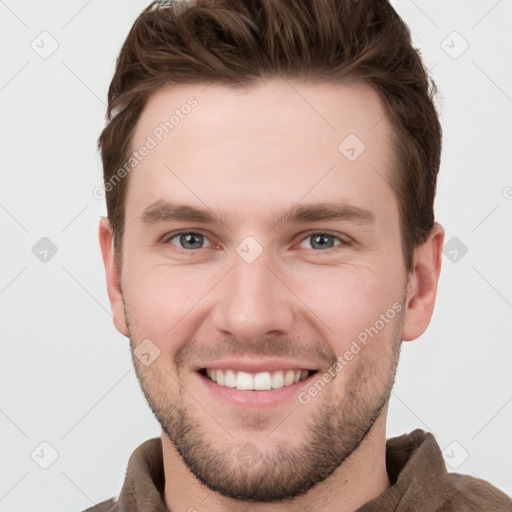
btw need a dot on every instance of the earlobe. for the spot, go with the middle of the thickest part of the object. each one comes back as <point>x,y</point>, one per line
<point>113,276</point>
<point>422,285</point>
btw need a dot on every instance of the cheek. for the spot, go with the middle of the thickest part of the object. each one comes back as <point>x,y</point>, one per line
<point>348,300</point>
<point>160,297</point>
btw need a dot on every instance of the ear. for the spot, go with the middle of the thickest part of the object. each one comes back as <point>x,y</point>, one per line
<point>422,284</point>
<point>113,275</point>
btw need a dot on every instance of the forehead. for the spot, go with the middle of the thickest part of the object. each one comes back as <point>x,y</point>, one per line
<point>273,143</point>
<point>301,111</point>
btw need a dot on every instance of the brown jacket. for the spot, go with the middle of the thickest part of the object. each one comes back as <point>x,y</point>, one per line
<point>415,465</point>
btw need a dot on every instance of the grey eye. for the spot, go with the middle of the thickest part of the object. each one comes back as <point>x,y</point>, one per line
<point>190,240</point>
<point>321,241</point>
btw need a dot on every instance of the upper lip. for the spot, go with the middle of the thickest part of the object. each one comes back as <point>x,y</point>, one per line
<point>256,366</point>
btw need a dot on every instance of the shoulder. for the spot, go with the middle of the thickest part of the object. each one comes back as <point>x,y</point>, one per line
<point>464,492</point>
<point>109,505</point>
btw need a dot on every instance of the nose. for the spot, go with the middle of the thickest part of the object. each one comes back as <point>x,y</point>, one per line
<point>253,302</point>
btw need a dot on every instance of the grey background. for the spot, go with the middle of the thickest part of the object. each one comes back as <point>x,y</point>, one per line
<point>66,376</point>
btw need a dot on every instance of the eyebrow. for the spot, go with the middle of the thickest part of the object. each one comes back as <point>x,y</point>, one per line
<point>164,211</point>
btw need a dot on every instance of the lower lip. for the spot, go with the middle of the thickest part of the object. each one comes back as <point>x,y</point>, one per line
<point>251,398</point>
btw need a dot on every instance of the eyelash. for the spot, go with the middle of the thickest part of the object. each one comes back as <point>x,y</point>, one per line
<point>168,238</point>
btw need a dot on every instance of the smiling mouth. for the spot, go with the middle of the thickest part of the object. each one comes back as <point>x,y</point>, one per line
<point>261,381</point>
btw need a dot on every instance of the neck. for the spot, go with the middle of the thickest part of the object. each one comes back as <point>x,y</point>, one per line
<point>359,479</point>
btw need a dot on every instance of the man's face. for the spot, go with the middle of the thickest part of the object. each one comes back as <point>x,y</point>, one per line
<point>250,292</point>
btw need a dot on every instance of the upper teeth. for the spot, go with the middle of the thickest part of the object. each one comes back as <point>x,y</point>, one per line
<point>258,381</point>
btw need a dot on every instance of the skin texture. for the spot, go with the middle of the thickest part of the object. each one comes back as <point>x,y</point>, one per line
<point>245,155</point>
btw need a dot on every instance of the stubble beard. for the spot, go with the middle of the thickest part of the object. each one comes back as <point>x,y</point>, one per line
<point>330,436</point>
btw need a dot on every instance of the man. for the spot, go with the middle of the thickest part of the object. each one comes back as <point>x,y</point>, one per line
<point>270,171</point>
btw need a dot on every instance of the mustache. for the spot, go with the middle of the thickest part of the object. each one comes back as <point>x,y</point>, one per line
<point>317,352</point>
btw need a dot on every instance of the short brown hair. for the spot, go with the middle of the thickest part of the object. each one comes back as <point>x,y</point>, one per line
<point>239,42</point>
